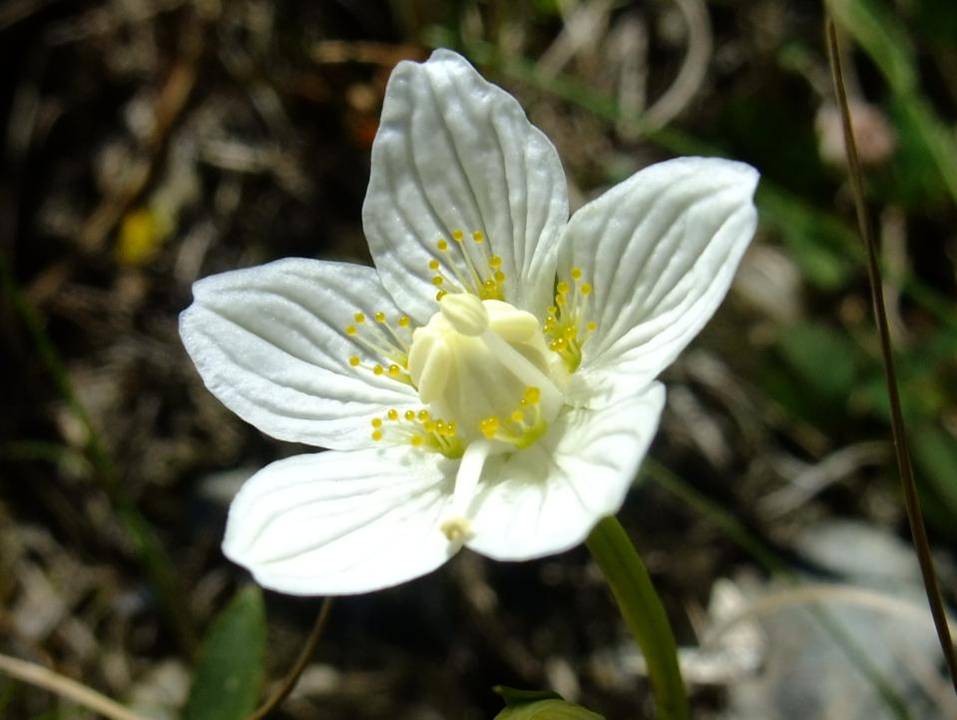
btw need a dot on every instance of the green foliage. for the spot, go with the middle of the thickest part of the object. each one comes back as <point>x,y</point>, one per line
<point>229,676</point>
<point>935,454</point>
<point>540,705</point>
<point>880,35</point>
<point>818,242</point>
<point>823,358</point>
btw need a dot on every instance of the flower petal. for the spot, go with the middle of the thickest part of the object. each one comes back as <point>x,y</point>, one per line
<point>454,152</point>
<point>269,342</point>
<point>548,497</point>
<point>339,523</point>
<point>660,250</point>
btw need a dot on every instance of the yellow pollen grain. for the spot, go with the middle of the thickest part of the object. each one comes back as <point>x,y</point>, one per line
<point>423,415</point>
<point>409,415</point>
<point>562,287</point>
<point>495,261</point>
<point>393,414</point>
<point>576,273</point>
<point>433,264</point>
<point>440,294</point>
<point>378,369</point>
<point>393,370</point>
<point>592,326</point>
<point>532,395</point>
<point>377,435</point>
<point>437,280</point>
<point>354,361</point>
<point>489,426</point>
<point>478,236</point>
<point>442,245</point>
<point>457,235</point>
<point>380,317</point>
<point>351,330</point>
<point>376,422</point>
<point>404,321</point>
<point>415,440</point>
<point>518,416</point>
<point>359,318</point>
<point>585,289</point>
<point>499,275</point>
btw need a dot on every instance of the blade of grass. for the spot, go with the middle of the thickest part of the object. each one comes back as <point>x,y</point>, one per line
<point>871,24</point>
<point>911,499</point>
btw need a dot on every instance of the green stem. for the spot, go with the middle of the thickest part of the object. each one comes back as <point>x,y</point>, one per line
<point>644,614</point>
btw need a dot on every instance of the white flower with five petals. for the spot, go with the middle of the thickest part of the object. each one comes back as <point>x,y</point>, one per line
<point>491,383</point>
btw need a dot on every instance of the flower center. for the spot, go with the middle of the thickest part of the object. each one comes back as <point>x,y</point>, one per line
<point>484,365</point>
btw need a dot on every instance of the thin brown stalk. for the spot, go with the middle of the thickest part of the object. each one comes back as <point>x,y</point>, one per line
<point>911,499</point>
<point>66,688</point>
<point>292,677</point>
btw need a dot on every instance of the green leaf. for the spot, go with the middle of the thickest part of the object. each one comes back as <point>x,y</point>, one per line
<point>879,33</point>
<point>822,245</point>
<point>229,675</point>
<point>824,359</point>
<point>936,454</point>
<point>548,710</point>
<point>515,696</point>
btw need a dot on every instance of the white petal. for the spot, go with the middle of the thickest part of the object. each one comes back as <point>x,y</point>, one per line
<point>269,342</point>
<point>339,523</point>
<point>548,497</point>
<point>660,250</point>
<point>454,152</point>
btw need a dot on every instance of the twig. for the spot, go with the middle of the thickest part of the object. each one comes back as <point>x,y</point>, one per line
<point>63,686</point>
<point>693,68</point>
<point>170,102</point>
<point>292,677</point>
<point>911,499</point>
<point>818,593</point>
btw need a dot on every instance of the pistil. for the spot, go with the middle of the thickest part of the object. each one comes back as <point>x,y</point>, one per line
<point>456,526</point>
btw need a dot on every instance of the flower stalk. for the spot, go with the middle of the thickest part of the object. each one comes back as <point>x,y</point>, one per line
<point>644,614</point>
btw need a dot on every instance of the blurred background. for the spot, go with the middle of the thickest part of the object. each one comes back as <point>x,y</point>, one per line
<point>147,143</point>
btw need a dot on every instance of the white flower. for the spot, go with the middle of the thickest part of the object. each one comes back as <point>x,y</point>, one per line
<point>491,383</point>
